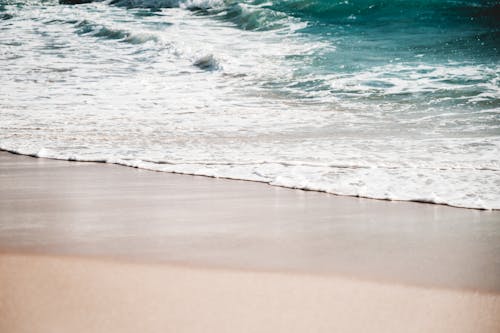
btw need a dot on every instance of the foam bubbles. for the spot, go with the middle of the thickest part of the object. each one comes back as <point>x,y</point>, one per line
<point>240,91</point>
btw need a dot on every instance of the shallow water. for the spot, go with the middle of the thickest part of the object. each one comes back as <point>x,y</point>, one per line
<point>382,99</point>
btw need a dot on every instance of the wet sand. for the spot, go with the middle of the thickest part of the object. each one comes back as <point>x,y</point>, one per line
<point>109,248</point>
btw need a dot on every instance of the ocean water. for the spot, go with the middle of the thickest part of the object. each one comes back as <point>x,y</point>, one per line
<point>387,99</point>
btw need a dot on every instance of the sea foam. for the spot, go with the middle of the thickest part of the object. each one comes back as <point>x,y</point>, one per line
<point>299,94</point>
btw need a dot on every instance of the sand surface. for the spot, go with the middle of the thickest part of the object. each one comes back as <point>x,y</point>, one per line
<point>51,294</point>
<point>165,249</point>
<point>69,208</point>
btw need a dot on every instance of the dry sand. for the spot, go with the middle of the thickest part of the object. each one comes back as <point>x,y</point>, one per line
<point>100,248</point>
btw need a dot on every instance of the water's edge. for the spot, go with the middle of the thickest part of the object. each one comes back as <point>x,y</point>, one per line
<point>137,166</point>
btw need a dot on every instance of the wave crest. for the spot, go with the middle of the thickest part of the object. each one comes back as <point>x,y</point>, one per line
<point>86,27</point>
<point>156,4</point>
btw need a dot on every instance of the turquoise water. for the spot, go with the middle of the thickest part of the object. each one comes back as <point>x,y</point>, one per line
<point>393,100</point>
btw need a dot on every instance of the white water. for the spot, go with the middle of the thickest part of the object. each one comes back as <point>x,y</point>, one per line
<point>180,92</point>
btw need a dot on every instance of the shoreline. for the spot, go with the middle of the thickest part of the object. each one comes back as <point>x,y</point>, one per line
<point>106,248</point>
<point>423,201</point>
<point>156,217</point>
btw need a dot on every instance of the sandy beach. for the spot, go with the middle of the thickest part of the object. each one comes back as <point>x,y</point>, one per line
<point>88,247</point>
<point>233,166</point>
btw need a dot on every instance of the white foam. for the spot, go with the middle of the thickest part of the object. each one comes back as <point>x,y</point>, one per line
<point>76,96</point>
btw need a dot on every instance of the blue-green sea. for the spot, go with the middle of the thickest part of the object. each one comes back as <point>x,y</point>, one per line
<point>387,99</point>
